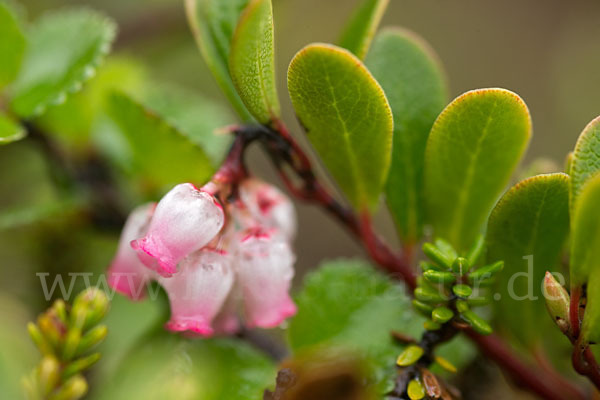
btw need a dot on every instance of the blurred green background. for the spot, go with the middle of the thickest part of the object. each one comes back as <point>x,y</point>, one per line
<point>548,51</point>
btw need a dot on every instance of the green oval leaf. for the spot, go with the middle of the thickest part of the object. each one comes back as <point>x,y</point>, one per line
<point>252,61</point>
<point>73,122</point>
<point>10,131</point>
<point>196,117</point>
<point>585,160</point>
<point>64,50</point>
<point>472,150</point>
<point>585,253</point>
<point>361,28</point>
<point>340,304</point>
<point>527,229</point>
<point>590,330</point>
<point>213,23</point>
<point>413,81</point>
<point>12,45</point>
<point>347,119</point>
<point>361,290</point>
<point>338,307</point>
<point>585,224</point>
<point>159,152</point>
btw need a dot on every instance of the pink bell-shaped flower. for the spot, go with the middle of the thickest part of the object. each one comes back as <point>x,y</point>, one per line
<point>126,274</point>
<point>185,220</point>
<point>198,292</point>
<point>227,322</point>
<point>269,206</point>
<point>264,268</point>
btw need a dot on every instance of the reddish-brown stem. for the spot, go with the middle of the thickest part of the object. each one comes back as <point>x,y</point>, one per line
<point>284,151</point>
<point>583,359</point>
<point>574,311</point>
<point>522,374</point>
<point>555,377</point>
<point>585,363</point>
<point>593,368</point>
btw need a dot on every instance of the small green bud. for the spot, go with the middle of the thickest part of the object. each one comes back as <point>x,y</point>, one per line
<point>71,343</point>
<point>51,327</point>
<point>462,306</point>
<point>74,389</point>
<point>439,277</point>
<point>437,256</point>
<point>80,365</point>
<point>485,273</point>
<point>431,325</point>
<point>96,304</point>
<point>445,247</point>
<point>462,291</point>
<point>39,339</point>
<point>478,324</point>
<point>429,295</point>
<point>415,390</point>
<point>48,374</point>
<point>422,308</point>
<point>441,315</point>
<point>93,337</point>
<point>60,308</point>
<point>427,266</point>
<point>460,265</point>
<point>445,364</point>
<point>557,302</point>
<point>409,356</point>
<point>476,251</point>
<point>78,317</point>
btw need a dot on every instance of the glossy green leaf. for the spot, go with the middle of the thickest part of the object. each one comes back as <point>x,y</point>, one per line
<point>342,302</point>
<point>347,119</point>
<point>368,298</point>
<point>413,81</point>
<point>213,23</point>
<point>590,331</point>
<point>585,253</point>
<point>585,238</point>
<point>527,229</point>
<point>12,45</point>
<point>361,28</point>
<point>338,307</point>
<point>212,369</point>
<point>585,160</point>
<point>10,131</point>
<point>195,116</point>
<point>472,150</point>
<point>65,48</point>
<point>252,61</point>
<point>158,151</point>
<point>73,123</point>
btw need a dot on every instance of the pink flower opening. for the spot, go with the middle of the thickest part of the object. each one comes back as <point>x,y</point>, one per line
<point>264,267</point>
<point>199,291</point>
<point>185,220</point>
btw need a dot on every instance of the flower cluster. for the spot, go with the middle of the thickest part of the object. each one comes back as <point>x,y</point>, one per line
<point>213,261</point>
